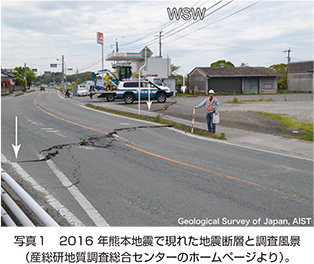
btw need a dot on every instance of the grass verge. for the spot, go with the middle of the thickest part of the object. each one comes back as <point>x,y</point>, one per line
<point>236,101</point>
<point>158,119</point>
<point>289,122</point>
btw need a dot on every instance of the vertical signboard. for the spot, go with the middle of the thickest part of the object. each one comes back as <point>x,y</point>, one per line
<point>100,38</point>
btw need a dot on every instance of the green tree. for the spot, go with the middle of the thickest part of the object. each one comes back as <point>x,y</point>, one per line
<point>19,81</point>
<point>219,63</point>
<point>282,80</point>
<point>30,75</point>
<point>174,69</point>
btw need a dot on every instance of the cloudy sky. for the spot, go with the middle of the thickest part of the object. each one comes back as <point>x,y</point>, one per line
<point>253,32</point>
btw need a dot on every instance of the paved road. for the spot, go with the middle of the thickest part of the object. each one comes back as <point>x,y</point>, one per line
<point>110,170</point>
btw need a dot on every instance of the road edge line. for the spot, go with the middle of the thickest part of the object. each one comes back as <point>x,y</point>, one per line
<point>61,209</point>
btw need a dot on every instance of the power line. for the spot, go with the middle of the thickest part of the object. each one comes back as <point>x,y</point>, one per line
<point>165,25</point>
<point>218,20</point>
<point>154,41</point>
<point>199,20</point>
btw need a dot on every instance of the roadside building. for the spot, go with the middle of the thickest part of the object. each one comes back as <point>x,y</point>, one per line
<point>230,80</point>
<point>7,76</point>
<point>7,81</point>
<point>300,76</point>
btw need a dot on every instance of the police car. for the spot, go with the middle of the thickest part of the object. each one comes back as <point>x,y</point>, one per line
<point>128,90</point>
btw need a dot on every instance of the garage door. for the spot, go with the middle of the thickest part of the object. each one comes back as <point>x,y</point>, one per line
<point>225,85</point>
<point>250,85</point>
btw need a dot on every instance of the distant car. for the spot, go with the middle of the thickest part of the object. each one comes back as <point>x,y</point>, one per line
<point>82,91</point>
<point>42,88</point>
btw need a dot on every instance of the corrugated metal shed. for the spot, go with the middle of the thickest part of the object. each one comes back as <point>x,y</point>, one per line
<point>237,72</point>
<point>230,80</point>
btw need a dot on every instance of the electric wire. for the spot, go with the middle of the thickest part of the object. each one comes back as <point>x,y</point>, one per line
<point>165,25</point>
<point>225,17</point>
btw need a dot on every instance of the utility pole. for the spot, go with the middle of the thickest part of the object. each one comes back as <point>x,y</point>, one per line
<point>160,43</point>
<point>117,45</point>
<point>25,84</point>
<point>63,84</point>
<point>289,50</point>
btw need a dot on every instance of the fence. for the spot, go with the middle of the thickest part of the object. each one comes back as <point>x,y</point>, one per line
<point>11,89</point>
<point>4,91</point>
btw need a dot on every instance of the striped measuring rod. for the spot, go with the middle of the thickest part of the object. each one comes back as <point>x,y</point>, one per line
<point>193,120</point>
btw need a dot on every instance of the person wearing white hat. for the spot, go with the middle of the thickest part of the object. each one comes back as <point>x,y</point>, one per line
<point>212,108</point>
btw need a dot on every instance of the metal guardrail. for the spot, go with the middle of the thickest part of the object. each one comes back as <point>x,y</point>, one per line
<point>15,209</point>
<point>7,220</point>
<point>26,223</point>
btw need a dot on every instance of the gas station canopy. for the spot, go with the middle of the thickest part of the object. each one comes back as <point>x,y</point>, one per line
<point>124,56</point>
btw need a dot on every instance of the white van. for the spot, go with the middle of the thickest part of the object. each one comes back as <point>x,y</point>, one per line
<point>82,90</point>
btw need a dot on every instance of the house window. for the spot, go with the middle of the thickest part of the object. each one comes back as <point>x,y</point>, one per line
<point>268,86</point>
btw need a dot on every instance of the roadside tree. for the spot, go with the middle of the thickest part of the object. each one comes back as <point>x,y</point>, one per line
<point>222,63</point>
<point>30,75</point>
<point>282,80</point>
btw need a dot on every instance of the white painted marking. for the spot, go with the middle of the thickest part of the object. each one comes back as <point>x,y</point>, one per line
<point>60,135</point>
<point>47,128</point>
<point>52,131</point>
<point>70,217</point>
<point>125,124</point>
<point>79,197</point>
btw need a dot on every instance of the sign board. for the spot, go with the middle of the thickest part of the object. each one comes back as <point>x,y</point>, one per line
<point>53,65</point>
<point>34,70</point>
<point>148,52</point>
<point>47,73</point>
<point>100,38</point>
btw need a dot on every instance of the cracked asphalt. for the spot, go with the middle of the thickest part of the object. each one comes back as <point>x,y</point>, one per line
<point>135,173</point>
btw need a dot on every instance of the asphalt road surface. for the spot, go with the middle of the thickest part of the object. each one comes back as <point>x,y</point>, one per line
<point>111,170</point>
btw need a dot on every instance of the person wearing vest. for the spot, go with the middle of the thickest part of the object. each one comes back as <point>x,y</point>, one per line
<point>212,108</point>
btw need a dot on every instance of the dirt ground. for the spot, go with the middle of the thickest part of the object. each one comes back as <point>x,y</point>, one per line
<point>257,123</point>
<point>249,121</point>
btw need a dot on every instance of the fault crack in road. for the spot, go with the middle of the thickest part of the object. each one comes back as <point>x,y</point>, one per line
<point>53,151</point>
<point>135,128</point>
<point>92,141</point>
<point>167,106</point>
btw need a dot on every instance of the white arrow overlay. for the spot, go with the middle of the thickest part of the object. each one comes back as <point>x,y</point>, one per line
<point>149,104</point>
<point>16,147</point>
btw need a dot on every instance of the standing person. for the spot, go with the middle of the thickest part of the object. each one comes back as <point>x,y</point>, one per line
<point>91,89</point>
<point>212,107</point>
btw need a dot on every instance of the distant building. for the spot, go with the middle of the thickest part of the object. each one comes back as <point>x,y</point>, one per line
<point>7,81</point>
<point>300,76</point>
<point>229,80</point>
<point>7,75</point>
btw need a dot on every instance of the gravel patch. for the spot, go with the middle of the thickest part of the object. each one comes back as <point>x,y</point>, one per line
<point>302,111</point>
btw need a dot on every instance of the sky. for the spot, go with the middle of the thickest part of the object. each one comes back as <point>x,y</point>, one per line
<point>252,32</point>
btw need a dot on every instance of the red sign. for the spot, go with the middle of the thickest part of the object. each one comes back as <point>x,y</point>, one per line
<point>100,38</point>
